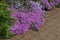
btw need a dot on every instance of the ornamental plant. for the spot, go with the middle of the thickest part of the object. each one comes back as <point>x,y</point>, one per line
<point>57,3</point>
<point>28,18</point>
<point>5,21</point>
<point>49,4</point>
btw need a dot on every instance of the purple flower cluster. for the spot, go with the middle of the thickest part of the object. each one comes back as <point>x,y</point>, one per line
<point>32,19</point>
<point>49,4</point>
<point>58,1</point>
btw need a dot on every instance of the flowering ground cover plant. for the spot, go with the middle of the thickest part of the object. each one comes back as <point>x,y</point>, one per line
<point>18,16</point>
<point>26,20</point>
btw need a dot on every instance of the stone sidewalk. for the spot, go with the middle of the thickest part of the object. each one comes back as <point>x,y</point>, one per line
<point>49,31</point>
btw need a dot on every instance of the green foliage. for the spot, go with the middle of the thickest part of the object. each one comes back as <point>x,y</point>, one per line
<point>5,21</point>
